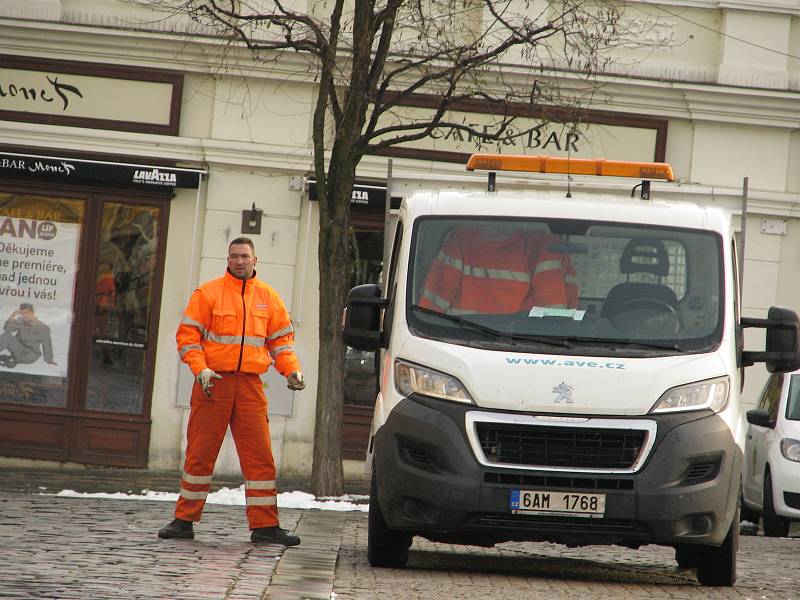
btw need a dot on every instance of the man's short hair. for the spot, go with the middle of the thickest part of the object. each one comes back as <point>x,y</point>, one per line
<point>26,306</point>
<point>243,240</point>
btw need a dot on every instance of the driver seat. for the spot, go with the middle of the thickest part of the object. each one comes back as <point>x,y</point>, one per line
<point>641,255</point>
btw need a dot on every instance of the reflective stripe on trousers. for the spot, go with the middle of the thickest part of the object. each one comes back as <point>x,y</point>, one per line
<point>237,400</point>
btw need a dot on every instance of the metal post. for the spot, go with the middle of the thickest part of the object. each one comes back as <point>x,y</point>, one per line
<point>745,186</point>
<point>387,240</point>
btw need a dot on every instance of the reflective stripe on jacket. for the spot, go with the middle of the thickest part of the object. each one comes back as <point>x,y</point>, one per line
<point>235,325</point>
<point>502,274</point>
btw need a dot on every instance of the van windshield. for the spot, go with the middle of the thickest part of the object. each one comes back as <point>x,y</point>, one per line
<point>554,285</point>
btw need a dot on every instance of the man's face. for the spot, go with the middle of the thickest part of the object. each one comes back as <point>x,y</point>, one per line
<point>26,314</point>
<point>241,261</point>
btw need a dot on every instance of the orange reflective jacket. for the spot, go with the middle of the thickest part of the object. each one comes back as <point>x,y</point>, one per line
<point>105,292</point>
<point>235,325</point>
<point>503,274</point>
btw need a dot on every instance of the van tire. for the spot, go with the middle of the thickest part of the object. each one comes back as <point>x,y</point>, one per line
<point>718,563</point>
<point>774,525</point>
<point>385,547</point>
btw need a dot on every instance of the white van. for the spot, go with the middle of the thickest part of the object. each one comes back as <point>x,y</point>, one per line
<point>771,471</point>
<point>562,369</point>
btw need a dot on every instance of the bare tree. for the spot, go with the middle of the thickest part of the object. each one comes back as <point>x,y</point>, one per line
<point>372,58</point>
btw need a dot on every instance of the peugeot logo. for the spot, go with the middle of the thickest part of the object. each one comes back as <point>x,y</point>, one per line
<point>563,393</point>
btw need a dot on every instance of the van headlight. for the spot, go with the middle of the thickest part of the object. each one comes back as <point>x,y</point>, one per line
<point>712,393</point>
<point>409,378</point>
<point>790,449</point>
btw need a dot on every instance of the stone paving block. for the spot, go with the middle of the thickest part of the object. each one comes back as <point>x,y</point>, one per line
<point>77,548</point>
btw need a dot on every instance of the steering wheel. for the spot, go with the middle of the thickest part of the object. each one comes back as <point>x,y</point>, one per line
<point>646,315</point>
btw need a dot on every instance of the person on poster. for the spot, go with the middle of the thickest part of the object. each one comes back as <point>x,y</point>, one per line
<point>232,330</point>
<point>26,339</point>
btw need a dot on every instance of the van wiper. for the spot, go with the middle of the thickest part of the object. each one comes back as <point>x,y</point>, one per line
<point>626,343</point>
<point>657,345</point>
<point>490,330</point>
<point>461,321</point>
<point>540,339</point>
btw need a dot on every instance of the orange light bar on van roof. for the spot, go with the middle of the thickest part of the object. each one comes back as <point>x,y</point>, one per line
<point>571,166</point>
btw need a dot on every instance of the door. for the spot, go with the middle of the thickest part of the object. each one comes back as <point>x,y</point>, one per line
<point>81,276</point>
<point>758,439</point>
<point>360,379</point>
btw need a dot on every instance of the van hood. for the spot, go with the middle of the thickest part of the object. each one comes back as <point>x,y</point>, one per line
<point>558,383</point>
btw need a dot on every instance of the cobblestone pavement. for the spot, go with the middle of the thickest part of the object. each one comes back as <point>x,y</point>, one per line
<point>81,548</point>
<point>766,566</point>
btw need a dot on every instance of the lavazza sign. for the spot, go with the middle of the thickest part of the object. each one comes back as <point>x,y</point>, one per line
<point>155,177</point>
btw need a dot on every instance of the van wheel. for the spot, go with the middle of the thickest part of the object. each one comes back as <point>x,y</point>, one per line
<point>385,547</point>
<point>774,525</point>
<point>718,563</point>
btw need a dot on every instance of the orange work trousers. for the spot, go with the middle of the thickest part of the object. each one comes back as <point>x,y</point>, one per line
<point>237,400</point>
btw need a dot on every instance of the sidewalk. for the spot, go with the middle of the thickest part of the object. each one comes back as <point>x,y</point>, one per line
<point>77,548</point>
<point>101,479</point>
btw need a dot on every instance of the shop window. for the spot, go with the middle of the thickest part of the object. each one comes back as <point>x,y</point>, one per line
<point>39,239</point>
<point>123,298</point>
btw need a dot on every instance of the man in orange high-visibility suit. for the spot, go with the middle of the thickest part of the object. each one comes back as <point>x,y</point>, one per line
<point>233,329</point>
<point>498,269</point>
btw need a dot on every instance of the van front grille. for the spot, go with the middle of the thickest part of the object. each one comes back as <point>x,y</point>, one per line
<point>564,447</point>
<point>551,481</point>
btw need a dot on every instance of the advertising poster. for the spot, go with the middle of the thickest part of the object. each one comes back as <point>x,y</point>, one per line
<point>37,278</point>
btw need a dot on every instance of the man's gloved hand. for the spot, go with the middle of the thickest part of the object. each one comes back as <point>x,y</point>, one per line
<point>204,378</point>
<point>295,381</point>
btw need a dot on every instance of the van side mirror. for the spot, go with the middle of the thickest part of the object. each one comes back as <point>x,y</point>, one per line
<point>362,317</point>
<point>782,353</point>
<point>759,417</point>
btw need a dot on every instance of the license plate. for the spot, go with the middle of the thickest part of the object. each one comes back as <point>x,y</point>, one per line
<point>540,502</point>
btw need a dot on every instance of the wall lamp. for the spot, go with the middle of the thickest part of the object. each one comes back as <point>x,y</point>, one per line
<point>251,220</point>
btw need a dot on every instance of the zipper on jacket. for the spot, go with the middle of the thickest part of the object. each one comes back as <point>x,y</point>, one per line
<point>244,326</point>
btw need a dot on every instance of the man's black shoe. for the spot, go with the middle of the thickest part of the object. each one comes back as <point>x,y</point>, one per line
<point>274,535</point>
<point>177,530</point>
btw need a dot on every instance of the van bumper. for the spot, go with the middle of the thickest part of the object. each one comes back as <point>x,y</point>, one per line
<point>431,484</point>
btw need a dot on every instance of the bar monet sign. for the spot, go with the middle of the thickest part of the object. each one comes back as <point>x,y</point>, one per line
<point>48,169</point>
<point>89,95</point>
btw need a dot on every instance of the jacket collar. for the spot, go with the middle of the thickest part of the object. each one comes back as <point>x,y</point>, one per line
<point>229,277</point>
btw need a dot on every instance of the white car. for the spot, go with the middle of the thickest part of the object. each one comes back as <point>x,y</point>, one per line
<point>771,470</point>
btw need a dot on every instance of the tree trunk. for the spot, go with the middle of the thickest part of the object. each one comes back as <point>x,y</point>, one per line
<point>327,477</point>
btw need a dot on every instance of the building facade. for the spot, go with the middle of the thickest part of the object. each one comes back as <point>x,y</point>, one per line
<point>129,158</point>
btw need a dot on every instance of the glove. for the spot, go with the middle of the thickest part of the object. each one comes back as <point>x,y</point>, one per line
<point>295,381</point>
<point>204,379</point>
